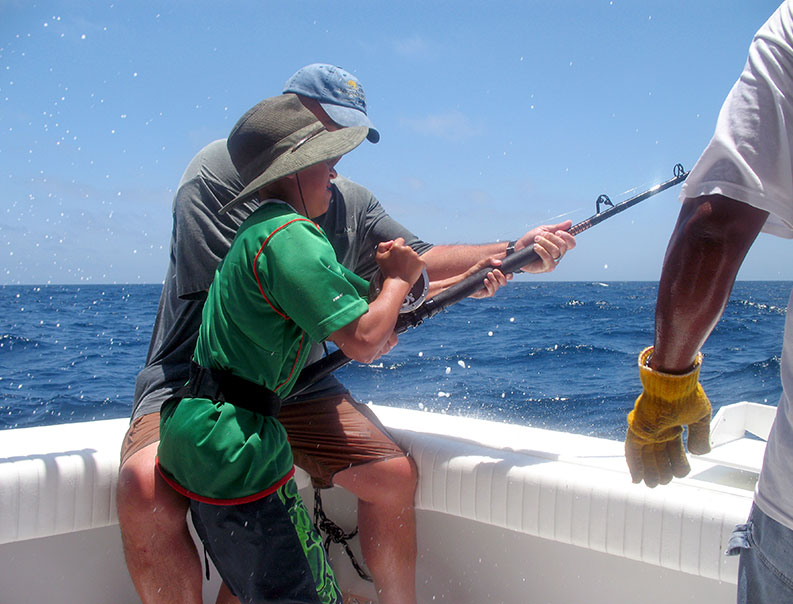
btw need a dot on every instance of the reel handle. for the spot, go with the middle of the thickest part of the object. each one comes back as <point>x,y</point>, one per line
<point>414,298</point>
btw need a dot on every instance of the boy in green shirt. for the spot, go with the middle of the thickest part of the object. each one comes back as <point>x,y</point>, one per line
<point>279,288</point>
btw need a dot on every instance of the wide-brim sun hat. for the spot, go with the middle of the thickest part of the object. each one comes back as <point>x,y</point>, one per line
<point>278,137</point>
<point>339,93</point>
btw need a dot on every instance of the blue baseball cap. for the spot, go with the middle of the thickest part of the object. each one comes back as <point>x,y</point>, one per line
<point>338,91</point>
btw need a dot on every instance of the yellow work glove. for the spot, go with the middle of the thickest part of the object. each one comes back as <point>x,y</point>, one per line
<point>654,442</point>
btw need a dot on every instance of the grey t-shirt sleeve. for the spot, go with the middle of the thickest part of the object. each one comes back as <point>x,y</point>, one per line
<point>379,226</point>
<point>363,224</point>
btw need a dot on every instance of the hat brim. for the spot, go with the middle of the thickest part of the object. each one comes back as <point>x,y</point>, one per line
<point>347,117</point>
<point>322,147</point>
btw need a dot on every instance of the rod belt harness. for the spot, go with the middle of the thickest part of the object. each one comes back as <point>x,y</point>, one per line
<point>222,386</point>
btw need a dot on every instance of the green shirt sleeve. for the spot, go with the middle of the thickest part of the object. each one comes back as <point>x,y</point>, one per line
<point>308,283</point>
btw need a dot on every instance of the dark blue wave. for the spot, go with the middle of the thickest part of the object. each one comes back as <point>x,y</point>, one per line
<point>551,355</point>
<point>10,342</point>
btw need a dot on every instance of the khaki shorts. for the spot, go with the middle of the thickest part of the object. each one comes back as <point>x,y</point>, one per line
<point>327,436</point>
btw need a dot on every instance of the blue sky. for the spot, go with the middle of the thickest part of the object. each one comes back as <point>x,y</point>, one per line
<point>495,117</point>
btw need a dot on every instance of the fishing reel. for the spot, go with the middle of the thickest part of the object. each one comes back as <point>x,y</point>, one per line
<point>414,298</point>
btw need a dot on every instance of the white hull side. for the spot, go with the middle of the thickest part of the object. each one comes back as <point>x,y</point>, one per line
<point>505,514</point>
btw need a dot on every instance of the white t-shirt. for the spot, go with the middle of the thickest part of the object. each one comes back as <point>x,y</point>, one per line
<point>750,159</point>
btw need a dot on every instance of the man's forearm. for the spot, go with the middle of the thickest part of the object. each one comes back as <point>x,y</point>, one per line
<point>444,261</point>
<point>551,241</point>
<point>707,247</point>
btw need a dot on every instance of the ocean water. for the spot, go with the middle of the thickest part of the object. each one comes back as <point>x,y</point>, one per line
<point>560,355</point>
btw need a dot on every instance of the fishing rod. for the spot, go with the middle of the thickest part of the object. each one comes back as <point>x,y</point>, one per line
<point>413,318</point>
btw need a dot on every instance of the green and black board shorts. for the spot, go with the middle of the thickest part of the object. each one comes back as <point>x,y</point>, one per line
<point>267,550</point>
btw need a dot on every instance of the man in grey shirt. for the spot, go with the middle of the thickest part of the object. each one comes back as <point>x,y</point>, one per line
<point>335,439</point>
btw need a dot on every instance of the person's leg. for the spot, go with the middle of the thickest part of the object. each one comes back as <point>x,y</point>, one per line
<point>386,524</point>
<point>161,556</point>
<point>339,441</point>
<point>225,596</point>
<point>765,568</point>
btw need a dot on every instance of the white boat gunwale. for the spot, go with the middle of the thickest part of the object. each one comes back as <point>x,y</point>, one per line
<point>531,486</point>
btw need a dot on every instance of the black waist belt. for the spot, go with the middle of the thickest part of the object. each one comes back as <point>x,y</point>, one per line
<point>224,387</point>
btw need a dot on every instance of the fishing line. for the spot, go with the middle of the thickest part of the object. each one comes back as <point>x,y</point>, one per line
<point>472,284</point>
<point>558,216</point>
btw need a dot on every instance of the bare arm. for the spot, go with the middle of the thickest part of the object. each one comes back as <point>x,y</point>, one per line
<point>364,339</point>
<point>708,245</point>
<point>449,261</point>
<point>551,242</point>
<point>494,280</point>
<point>710,240</point>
